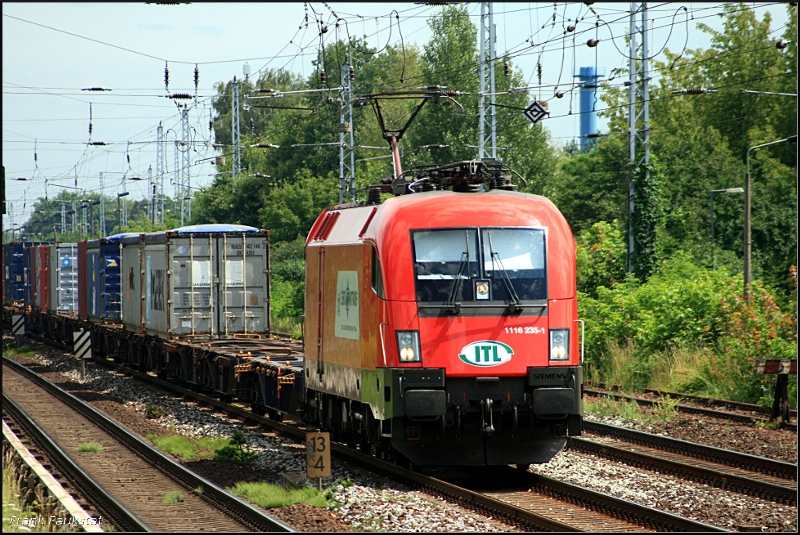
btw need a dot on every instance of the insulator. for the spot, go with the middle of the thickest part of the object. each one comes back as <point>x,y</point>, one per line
<point>322,79</point>
<point>128,157</point>
<point>180,95</point>
<point>781,43</point>
<point>352,74</point>
<point>252,124</point>
<point>592,43</point>
<point>90,133</point>
<point>559,94</point>
<point>539,70</point>
<point>210,125</point>
<point>505,69</point>
<point>463,186</point>
<point>166,77</point>
<point>374,196</point>
<point>571,28</point>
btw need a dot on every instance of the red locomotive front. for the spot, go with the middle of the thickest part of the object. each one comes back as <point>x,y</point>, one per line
<point>446,327</point>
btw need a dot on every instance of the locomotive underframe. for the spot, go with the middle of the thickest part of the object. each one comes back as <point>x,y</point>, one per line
<point>494,420</point>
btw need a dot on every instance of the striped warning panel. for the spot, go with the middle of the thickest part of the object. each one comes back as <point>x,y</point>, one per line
<point>83,344</point>
<point>17,325</point>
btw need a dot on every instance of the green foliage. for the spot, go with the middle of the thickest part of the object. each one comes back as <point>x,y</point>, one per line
<point>236,451</point>
<point>287,299</point>
<point>24,351</point>
<point>92,447</point>
<point>665,410</point>
<point>25,515</point>
<point>698,144</point>
<point>687,329</point>
<point>606,406</point>
<point>288,283</point>
<point>187,448</point>
<point>592,186</point>
<point>289,212</point>
<point>177,445</point>
<point>600,257</point>
<point>750,329</point>
<point>646,218</point>
<point>267,495</point>
<point>172,496</point>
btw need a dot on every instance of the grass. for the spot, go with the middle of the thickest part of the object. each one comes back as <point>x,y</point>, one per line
<point>12,508</point>
<point>291,326</point>
<point>662,411</point>
<point>172,496</point>
<point>187,448</point>
<point>24,351</point>
<point>268,495</point>
<point>90,446</point>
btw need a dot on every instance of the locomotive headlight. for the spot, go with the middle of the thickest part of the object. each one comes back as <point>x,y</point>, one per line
<point>559,344</point>
<point>408,346</point>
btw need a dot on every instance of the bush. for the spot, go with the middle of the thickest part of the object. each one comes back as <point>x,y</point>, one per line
<point>236,452</point>
<point>687,328</point>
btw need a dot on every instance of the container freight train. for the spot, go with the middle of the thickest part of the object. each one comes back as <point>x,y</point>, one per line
<point>440,325</point>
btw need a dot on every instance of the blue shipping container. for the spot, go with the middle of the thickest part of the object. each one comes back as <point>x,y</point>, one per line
<point>103,284</point>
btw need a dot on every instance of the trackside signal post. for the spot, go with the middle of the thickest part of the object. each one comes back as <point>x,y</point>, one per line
<point>784,367</point>
<point>318,455</point>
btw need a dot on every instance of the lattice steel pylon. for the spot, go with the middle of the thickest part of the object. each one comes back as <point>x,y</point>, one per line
<point>638,121</point>
<point>102,208</point>
<point>183,177</point>
<point>487,57</point>
<point>347,167</point>
<point>161,163</point>
<point>236,141</point>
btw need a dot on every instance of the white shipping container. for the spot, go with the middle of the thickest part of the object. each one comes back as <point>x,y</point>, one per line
<point>212,283</point>
<point>132,282</point>
<point>63,278</point>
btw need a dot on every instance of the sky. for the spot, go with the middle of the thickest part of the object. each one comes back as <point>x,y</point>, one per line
<point>54,52</point>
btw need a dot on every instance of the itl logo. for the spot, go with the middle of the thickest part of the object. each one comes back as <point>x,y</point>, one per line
<point>486,353</point>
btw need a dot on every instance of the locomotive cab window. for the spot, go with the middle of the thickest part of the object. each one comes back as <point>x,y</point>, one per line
<point>377,274</point>
<point>480,264</point>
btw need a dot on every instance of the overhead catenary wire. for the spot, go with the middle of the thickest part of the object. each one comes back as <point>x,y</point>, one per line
<point>696,13</point>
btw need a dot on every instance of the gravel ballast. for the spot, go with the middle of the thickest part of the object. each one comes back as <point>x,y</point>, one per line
<point>365,503</point>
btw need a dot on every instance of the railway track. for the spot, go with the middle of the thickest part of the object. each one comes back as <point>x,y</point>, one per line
<point>756,476</point>
<point>556,507</point>
<point>128,479</point>
<point>748,412</point>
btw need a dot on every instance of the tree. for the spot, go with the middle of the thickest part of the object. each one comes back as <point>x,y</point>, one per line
<point>699,142</point>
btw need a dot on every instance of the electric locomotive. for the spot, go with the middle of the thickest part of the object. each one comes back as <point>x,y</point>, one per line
<point>441,325</point>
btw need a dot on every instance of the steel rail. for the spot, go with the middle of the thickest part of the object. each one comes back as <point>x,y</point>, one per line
<point>618,507</point>
<point>685,408</point>
<point>109,505</point>
<point>660,520</point>
<point>736,459</point>
<point>234,506</point>
<point>717,479</point>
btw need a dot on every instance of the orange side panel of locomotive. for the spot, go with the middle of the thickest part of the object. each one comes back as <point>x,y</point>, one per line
<point>342,323</point>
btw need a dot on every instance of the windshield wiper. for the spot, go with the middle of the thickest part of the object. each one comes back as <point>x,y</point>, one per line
<point>462,266</point>
<point>513,298</point>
